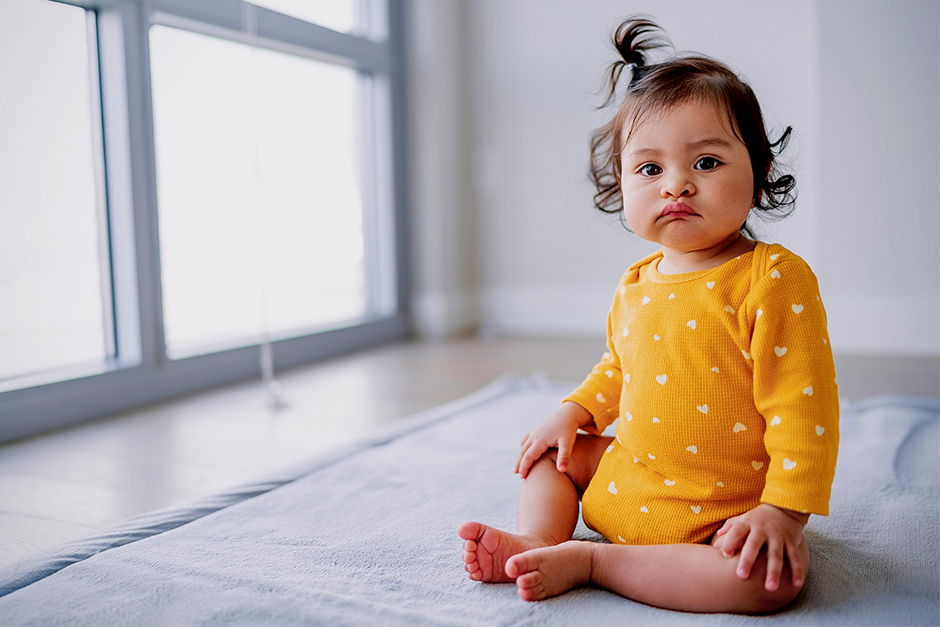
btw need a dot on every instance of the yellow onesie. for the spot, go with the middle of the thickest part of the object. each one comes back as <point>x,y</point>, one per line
<point>725,388</point>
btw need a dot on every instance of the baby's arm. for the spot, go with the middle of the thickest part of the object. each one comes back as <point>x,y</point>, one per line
<point>780,530</point>
<point>558,430</point>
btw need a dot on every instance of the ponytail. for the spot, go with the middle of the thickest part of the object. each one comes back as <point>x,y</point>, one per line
<point>633,39</point>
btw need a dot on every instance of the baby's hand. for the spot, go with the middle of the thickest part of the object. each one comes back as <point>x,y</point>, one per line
<point>780,529</point>
<point>558,430</point>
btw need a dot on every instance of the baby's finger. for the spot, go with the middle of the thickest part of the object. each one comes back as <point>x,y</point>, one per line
<point>532,453</point>
<point>725,528</point>
<point>774,564</point>
<point>522,449</point>
<point>749,553</point>
<point>797,570</point>
<point>565,445</point>
<point>735,535</point>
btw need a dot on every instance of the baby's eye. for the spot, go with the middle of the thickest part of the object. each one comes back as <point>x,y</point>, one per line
<point>650,169</point>
<point>707,163</point>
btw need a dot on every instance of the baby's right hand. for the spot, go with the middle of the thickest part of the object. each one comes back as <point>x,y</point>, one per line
<point>559,431</point>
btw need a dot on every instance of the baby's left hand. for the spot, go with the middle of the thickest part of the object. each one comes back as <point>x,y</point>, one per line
<point>780,529</point>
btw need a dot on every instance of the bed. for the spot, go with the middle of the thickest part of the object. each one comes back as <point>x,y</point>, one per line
<point>367,535</point>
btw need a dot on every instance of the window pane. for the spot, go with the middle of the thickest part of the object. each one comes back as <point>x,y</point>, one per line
<point>52,304</point>
<point>259,191</point>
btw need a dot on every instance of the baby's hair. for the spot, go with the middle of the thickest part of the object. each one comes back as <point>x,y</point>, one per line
<point>657,87</point>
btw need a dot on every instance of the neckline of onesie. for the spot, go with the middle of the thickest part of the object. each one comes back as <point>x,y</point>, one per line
<point>654,275</point>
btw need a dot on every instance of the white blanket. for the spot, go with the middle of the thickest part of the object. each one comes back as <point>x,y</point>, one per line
<point>367,535</point>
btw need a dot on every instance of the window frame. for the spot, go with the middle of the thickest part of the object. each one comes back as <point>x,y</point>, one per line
<point>141,373</point>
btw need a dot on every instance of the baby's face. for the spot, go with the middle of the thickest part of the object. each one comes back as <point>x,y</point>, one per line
<point>686,180</point>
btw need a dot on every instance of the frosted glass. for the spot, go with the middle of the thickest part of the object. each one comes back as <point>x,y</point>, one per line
<point>52,311</point>
<point>259,191</point>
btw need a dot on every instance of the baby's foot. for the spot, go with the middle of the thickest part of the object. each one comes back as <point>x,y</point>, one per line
<point>486,549</point>
<point>550,571</point>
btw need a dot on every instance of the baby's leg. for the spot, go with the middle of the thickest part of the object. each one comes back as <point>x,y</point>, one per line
<point>547,515</point>
<point>685,577</point>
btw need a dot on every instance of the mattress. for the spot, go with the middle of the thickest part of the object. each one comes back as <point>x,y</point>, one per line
<point>367,534</point>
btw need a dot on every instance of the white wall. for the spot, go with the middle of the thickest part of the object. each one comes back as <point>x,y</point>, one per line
<point>879,138</point>
<point>442,212</point>
<point>525,79</point>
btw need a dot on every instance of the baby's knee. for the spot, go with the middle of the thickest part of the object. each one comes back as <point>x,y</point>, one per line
<point>759,600</point>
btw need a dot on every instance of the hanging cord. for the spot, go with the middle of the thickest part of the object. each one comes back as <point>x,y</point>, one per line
<point>266,349</point>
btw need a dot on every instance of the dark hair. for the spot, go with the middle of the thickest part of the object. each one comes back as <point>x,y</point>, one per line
<point>659,86</point>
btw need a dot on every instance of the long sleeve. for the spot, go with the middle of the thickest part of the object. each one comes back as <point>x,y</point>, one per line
<point>794,386</point>
<point>600,391</point>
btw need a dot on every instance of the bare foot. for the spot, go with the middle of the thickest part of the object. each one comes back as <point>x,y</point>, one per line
<point>550,571</point>
<point>486,549</point>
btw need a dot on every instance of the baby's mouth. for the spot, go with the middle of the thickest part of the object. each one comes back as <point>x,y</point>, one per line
<point>677,210</point>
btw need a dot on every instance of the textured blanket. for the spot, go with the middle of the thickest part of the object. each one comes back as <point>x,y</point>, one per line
<point>367,535</point>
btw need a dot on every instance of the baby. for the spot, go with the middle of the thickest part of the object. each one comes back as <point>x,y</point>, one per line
<point>718,366</point>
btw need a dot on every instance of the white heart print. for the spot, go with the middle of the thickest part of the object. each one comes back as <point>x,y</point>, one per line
<point>788,464</point>
<point>720,484</point>
<point>702,408</point>
<point>626,331</point>
<point>820,430</point>
<point>730,309</point>
<point>776,421</point>
<point>692,449</point>
<point>775,274</point>
<point>656,338</point>
<point>651,456</point>
<point>610,448</point>
<point>808,390</point>
<point>715,369</point>
<point>610,374</point>
<point>629,416</point>
<point>600,398</point>
<point>710,284</point>
<point>690,324</point>
<point>738,427</point>
<point>760,312</point>
<point>669,482</point>
<point>646,299</point>
<point>774,257</point>
<point>612,488</point>
<point>780,350</point>
<point>655,419</point>
<point>757,465</point>
<point>796,308</point>
<point>661,379</point>
<point>696,508</point>
<point>644,510</point>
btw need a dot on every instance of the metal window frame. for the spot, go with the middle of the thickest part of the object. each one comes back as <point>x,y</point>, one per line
<point>141,373</point>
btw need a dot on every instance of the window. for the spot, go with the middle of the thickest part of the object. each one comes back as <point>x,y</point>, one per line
<point>259,188</point>
<point>55,285</point>
<point>174,197</point>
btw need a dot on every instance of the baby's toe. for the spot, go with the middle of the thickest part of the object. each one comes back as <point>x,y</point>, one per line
<point>519,564</point>
<point>529,580</point>
<point>533,593</point>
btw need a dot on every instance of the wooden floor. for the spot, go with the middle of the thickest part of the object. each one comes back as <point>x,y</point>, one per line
<point>68,484</point>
